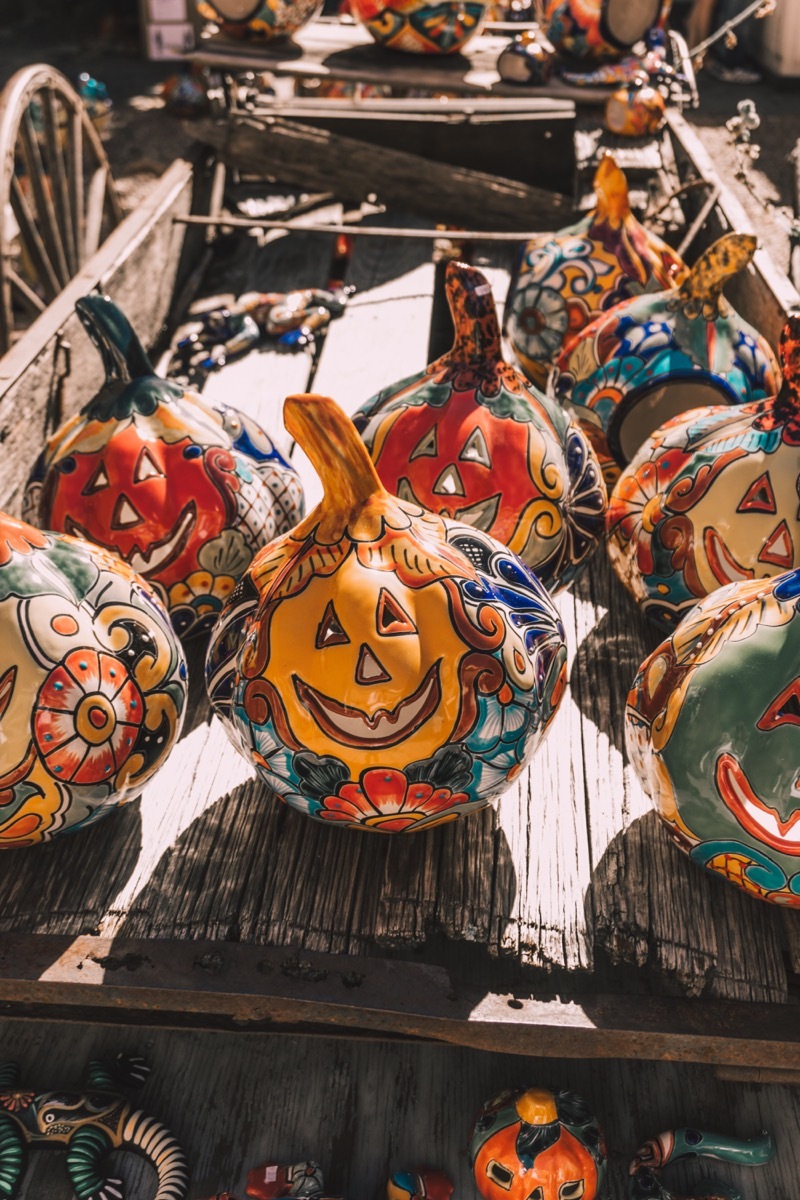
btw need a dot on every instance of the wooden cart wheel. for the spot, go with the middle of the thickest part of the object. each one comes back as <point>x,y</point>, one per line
<point>57,198</point>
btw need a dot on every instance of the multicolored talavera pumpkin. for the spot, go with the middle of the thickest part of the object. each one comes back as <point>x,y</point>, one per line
<point>468,438</point>
<point>420,26</point>
<point>381,667</point>
<point>658,355</point>
<point>713,730</point>
<point>635,110</point>
<point>92,684</point>
<point>566,279</point>
<point>598,29</point>
<point>184,491</point>
<point>538,1143</point>
<point>259,20</point>
<point>644,1172</point>
<point>711,499</point>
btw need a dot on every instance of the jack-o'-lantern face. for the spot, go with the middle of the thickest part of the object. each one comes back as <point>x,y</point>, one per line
<point>364,663</point>
<point>537,1145</point>
<point>117,497</point>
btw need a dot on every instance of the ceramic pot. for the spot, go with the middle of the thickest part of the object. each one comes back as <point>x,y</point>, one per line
<point>528,59</point>
<point>184,491</point>
<point>470,439</point>
<point>635,110</point>
<point>381,667</point>
<point>534,1142</point>
<point>426,1184</point>
<point>598,29</point>
<point>711,499</point>
<point>260,20</point>
<point>419,26</point>
<point>92,684</point>
<point>567,279</point>
<point>713,731</point>
<point>660,354</point>
<point>644,1172</point>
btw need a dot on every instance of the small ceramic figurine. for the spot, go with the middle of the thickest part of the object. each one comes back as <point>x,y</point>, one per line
<point>601,29</point>
<point>711,499</point>
<point>259,20</point>
<point>273,1181</point>
<point>651,1158</point>
<point>657,355</point>
<point>529,58</point>
<point>420,26</point>
<point>538,1143</point>
<point>470,439</point>
<point>419,1185</point>
<point>92,684</point>
<point>90,1124</point>
<point>567,278</point>
<point>383,668</point>
<point>635,110</point>
<point>184,491</point>
<point>713,731</point>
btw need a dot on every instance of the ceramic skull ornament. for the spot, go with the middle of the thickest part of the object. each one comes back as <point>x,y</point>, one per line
<point>381,667</point>
<point>259,20</point>
<point>657,355</point>
<point>421,26</point>
<point>469,439</point>
<point>644,1172</point>
<point>537,1144</point>
<point>711,499</point>
<point>184,491</point>
<point>92,684</point>
<point>600,29</point>
<point>713,731</point>
<point>566,279</point>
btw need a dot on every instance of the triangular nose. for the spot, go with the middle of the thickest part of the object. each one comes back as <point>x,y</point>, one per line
<point>125,514</point>
<point>369,670</point>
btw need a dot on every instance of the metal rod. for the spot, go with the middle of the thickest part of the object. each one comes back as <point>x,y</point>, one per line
<point>461,235</point>
<point>698,223</point>
<point>729,26</point>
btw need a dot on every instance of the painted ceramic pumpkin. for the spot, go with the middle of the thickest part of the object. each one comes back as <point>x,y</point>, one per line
<point>471,440</point>
<point>381,667</point>
<point>184,491</point>
<point>425,1184</point>
<point>420,26</point>
<point>711,499</point>
<point>567,279</point>
<point>635,110</point>
<point>644,1172</point>
<point>657,355</point>
<point>528,58</point>
<point>260,20</point>
<point>92,684</point>
<point>713,730</point>
<point>598,29</point>
<point>537,1143</point>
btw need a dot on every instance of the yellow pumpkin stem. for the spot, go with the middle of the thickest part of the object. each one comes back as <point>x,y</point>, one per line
<point>477,329</point>
<point>337,453</point>
<point>611,190</point>
<point>729,255</point>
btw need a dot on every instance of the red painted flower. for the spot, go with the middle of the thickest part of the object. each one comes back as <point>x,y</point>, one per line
<point>16,1101</point>
<point>88,714</point>
<point>386,799</point>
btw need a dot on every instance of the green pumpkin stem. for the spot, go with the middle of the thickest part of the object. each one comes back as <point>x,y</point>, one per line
<point>729,255</point>
<point>124,357</point>
<point>472,306</point>
<point>337,453</point>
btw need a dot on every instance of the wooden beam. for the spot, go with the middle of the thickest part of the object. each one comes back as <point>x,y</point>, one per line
<point>323,161</point>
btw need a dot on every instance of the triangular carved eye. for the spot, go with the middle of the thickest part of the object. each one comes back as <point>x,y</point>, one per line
<point>329,631</point>
<point>426,447</point>
<point>475,449</point>
<point>784,710</point>
<point>146,467</point>
<point>572,1191</point>
<point>97,482</point>
<point>391,617</point>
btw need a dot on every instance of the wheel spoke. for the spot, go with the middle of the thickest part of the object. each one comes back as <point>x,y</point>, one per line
<point>75,170</point>
<point>39,182</point>
<point>25,293</point>
<point>58,177</point>
<point>32,242</point>
<point>95,207</point>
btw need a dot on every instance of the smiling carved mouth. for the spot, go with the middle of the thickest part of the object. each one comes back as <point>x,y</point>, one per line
<point>353,727</point>
<point>757,818</point>
<point>158,555</point>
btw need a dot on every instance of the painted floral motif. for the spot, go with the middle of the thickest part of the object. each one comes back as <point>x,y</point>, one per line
<point>274,19</point>
<point>387,798</point>
<point>584,30</point>
<point>420,27</point>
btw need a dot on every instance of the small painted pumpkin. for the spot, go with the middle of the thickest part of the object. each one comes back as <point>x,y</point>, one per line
<point>567,278</point>
<point>537,1143</point>
<point>711,499</point>
<point>381,667</point>
<point>635,110</point>
<point>644,1172</point>
<point>598,29</point>
<point>259,20</point>
<point>713,731</point>
<point>421,26</point>
<point>528,58</point>
<point>657,355</point>
<point>182,490</point>
<point>92,684</point>
<point>470,439</point>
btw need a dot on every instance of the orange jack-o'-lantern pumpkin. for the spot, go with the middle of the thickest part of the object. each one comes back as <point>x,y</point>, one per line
<point>381,667</point>
<point>470,439</point>
<point>184,491</point>
<point>536,1144</point>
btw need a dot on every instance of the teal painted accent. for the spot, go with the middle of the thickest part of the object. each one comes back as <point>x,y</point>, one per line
<point>645,1182</point>
<point>86,1150</point>
<point>13,1157</point>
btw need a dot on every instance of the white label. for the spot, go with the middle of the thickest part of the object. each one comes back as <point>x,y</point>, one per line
<point>167,10</point>
<point>169,41</point>
<point>270,1175</point>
